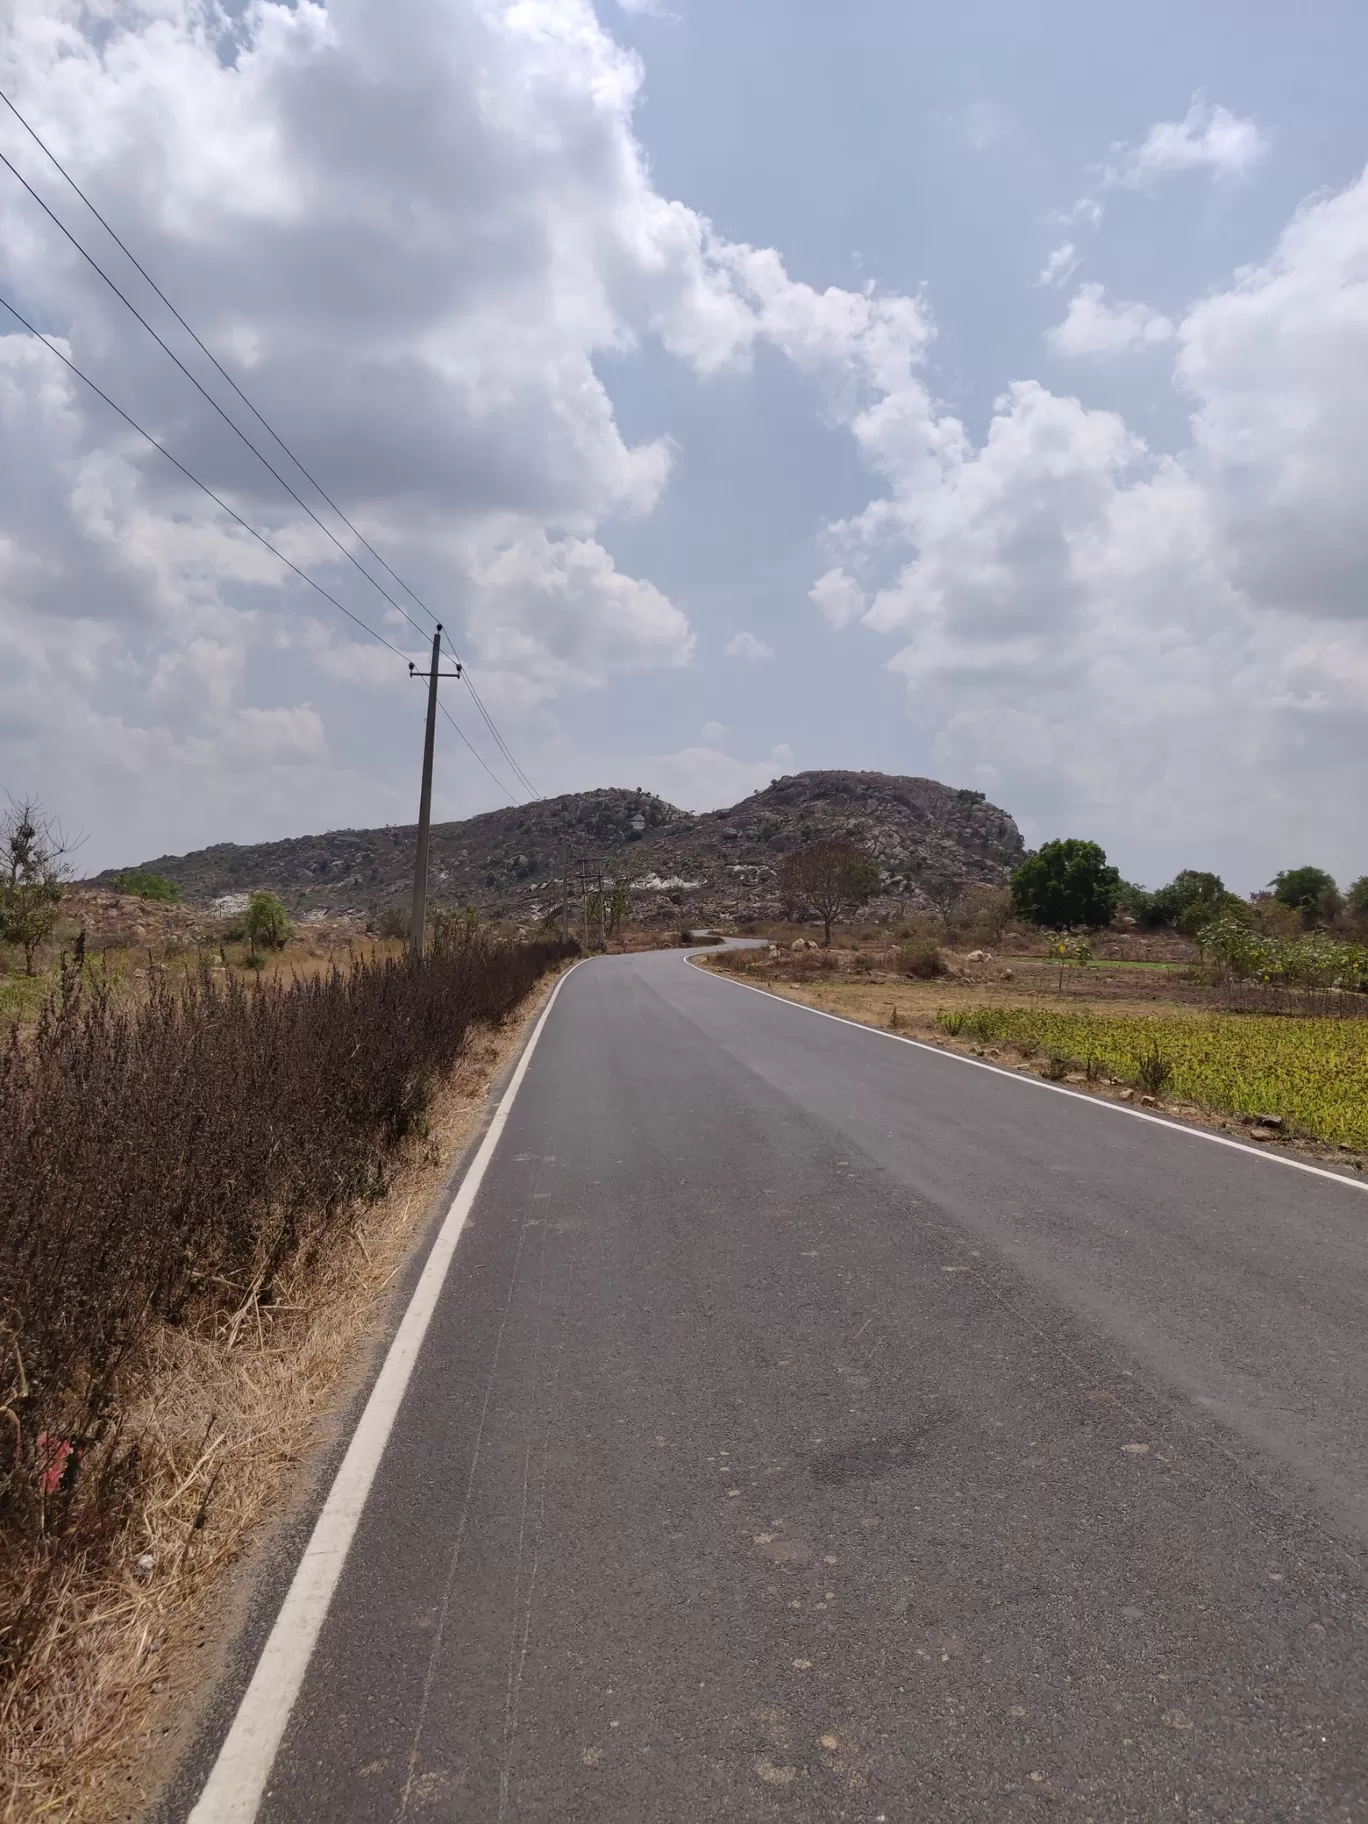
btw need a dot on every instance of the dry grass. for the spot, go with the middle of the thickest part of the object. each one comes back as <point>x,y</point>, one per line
<point>918,1002</point>
<point>228,1420</point>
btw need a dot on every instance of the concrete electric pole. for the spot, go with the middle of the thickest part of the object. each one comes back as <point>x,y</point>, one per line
<point>418,917</point>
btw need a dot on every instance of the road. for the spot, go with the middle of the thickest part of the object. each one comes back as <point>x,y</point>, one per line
<point>814,1426</point>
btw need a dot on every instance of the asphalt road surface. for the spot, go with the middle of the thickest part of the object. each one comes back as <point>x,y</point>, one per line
<point>815,1426</point>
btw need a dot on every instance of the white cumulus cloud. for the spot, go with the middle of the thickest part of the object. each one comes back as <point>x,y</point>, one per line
<point>413,229</point>
<point>1157,644</point>
<point>1094,325</point>
<point>1209,138</point>
<point>747,646</point>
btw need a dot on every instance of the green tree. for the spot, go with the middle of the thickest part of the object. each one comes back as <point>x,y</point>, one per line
<point>1310,891</point>
<point>1140,903</point>
<point>827,878</point>
<point>143,885</point>
<point>266,922</point>
<point>1357,899</point>
<point>32,871</point>
<point>1191,899</point>
<point>1067,885</point>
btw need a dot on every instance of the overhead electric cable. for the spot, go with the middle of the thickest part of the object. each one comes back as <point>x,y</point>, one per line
<point>202,486</point>
<point>503,747</point>
<point>475,750</point>
<point>269,428</point>
<point>201,388</point>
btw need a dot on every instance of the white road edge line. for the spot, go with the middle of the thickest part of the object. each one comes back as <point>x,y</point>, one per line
<point>238,1779</point>
<point>1016,1076</point>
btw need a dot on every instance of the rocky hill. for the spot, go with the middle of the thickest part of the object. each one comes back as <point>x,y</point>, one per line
<point>930,841</point>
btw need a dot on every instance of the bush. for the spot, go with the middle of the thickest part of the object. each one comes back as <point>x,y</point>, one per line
<point>162,1161</point>
<point>921,960</point>
<point>266,922</point>
<point>392,921</point>
<point>142,885</point>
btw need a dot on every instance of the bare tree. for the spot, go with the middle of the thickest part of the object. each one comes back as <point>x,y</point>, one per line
<point>827,878</point>
<point>32,870</point>
<point>945,894</point>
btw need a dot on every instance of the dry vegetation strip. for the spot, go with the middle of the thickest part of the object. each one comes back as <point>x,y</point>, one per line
<point>203,1203</point>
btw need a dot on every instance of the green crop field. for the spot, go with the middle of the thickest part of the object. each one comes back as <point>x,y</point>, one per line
<point>1312,1072</point>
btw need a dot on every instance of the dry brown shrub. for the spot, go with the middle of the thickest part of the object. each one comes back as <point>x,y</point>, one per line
<point>164,1164</point>
<point>226,1414</point>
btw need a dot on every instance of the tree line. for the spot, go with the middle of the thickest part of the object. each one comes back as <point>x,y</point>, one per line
<point>1069,885</point>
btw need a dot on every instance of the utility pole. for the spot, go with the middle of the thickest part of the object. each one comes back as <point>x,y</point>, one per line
<point>603,935</point>
<point>584,868</point>
<point>418,916</point>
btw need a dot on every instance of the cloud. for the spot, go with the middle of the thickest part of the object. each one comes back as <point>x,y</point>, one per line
<point>1209,138</point>
<point>1060,266</point>
<point>713,732</point>
<point>1094,326</point>
<point>414,229</point>
<point>1172,646</point>
<point>839,598</point>
<point>423,230</point>
<point>747,646</point>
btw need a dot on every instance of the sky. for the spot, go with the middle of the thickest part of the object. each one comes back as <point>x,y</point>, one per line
<point>975,392</point>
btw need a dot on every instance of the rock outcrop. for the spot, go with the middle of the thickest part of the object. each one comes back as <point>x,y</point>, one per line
<point>931,842</point>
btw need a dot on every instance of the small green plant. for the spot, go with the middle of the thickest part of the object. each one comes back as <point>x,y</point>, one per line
<point>1070,953</point>
<point>951,1022</point>
<point>1055,1068</point>
<point>894,1022</point>
<point>1153,1070</point>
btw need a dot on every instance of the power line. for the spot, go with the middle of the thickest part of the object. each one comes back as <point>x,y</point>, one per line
<point>202,486</point>
<point>475,750</point>
<point>203,348</point>
<point>218,366</point>
<point>201,388</point>
<point>133,424</point>
<point>503,747</point>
